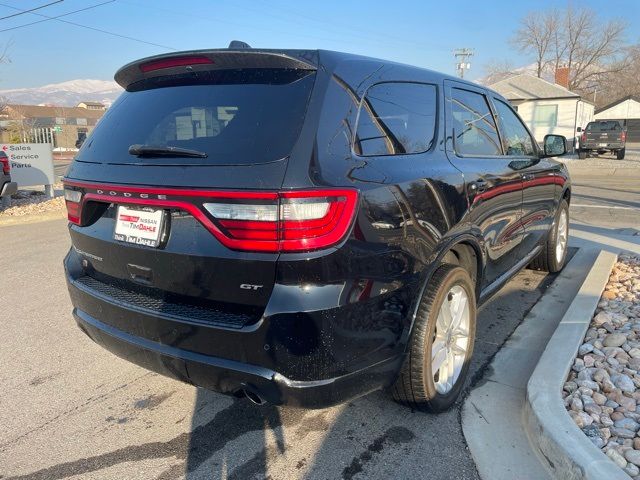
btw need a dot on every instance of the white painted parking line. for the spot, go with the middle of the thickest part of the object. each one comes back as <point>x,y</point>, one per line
<point>612,207</point>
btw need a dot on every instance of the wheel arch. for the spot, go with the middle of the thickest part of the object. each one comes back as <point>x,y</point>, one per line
<point>465,250</point>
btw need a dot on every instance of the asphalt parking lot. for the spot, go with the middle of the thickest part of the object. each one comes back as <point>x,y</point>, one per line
<point>71,410</point>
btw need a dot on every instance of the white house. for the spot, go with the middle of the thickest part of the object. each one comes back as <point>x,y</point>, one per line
<point>626,109</point>
<point>546,107</point>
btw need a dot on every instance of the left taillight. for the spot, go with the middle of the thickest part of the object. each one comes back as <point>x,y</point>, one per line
<point>73,200</point>
<point>6,166</point>
<point>292,221</point>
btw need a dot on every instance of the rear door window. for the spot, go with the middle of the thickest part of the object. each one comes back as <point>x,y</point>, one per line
<point>474,129</point>
<point>396,118</point>
<point>515,137</point>
<point>254,117</point>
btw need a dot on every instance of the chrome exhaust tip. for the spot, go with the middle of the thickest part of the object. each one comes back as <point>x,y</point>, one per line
<point>253,396</point>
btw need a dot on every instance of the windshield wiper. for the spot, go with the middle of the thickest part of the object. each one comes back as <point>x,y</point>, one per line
<point>164,151</point>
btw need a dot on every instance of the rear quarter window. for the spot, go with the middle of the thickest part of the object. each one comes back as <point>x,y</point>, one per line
<point>396,118</point>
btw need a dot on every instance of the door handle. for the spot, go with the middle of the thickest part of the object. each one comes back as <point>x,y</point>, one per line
<point>478,186</point>
<point>528,176</point>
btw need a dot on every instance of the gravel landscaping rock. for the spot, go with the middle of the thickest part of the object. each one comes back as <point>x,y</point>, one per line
<point>25,203</point>
<point>603,388</point>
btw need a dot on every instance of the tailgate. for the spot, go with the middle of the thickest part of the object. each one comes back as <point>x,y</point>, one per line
<point>164,229</point>
<point>187,270</point>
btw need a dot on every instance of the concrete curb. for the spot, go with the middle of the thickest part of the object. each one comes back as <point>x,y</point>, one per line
<point>563,447</point>
<point>493,409</point>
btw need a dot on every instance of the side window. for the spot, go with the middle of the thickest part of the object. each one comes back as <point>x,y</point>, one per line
<point>474,128</point>
<point>395,119</point>
<point>515,138</point>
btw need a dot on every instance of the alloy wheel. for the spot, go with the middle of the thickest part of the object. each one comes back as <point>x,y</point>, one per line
<point>451,339</point>
<point>562,235</point>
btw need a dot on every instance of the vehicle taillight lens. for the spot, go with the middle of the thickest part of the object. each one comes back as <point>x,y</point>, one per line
<point>292,222</point>
<point>73,200</point>
<point>623,136</point>
<point>6,167</point>
<point>583,138</point>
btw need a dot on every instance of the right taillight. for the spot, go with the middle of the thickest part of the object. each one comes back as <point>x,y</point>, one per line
<point>73,200</point>
<point>294,221</point>
<point>623,136</point>
<point>6,167</point>
<point>583,138</point>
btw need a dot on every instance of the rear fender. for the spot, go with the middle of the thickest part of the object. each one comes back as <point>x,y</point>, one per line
<point>474,240</point>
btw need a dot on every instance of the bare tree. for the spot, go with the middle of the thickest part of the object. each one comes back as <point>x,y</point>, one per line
<point>497,70</point>
<point>573,38</point>
<point>614,85</point>
<point>19,127</point>
<point>535,35</point>
<point>588,47</point>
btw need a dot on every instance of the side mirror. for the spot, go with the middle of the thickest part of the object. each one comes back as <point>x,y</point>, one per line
<point>579,129</point>
<point>554,145</point>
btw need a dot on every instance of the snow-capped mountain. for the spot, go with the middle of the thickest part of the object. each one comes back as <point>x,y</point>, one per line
<point>66,94</point>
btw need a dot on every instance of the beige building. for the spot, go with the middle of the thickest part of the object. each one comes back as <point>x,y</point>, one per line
<point>92,105</point>
<point>546,107</point>
<point>63,127</point>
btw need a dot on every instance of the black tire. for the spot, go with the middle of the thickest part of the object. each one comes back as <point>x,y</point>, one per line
<point>415,385</point>
<point>582,154</point>
<point>547,260</point>
<point>620,154</point>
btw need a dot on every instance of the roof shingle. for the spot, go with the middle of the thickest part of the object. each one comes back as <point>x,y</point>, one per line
<point>529,87</point>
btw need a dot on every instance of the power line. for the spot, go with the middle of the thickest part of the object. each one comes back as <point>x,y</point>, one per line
<point>31,10</point>
<point>57,18</point>
<point>51,18</point>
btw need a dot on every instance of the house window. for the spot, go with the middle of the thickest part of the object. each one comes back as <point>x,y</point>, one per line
<point>545,115</point>
<point>81,121</point>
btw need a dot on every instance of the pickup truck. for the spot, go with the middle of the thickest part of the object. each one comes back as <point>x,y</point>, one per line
<point>7,187</point>
<point>603,136</point>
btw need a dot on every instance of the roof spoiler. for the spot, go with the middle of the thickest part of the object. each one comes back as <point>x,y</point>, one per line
<point>236,57</point>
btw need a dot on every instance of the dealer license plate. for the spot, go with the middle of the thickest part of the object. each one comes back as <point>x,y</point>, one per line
<point>142,226</point>
<point>602,144</point>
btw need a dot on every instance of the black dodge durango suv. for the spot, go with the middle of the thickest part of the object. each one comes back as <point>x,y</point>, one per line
<point>304,227</point>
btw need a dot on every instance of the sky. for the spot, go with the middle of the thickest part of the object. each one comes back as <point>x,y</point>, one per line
<point>417,32</point>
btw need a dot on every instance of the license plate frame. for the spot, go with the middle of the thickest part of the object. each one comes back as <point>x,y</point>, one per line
<point>144,226</point>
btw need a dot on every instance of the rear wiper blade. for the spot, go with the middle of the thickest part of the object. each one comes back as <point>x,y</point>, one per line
<point>164,151</point>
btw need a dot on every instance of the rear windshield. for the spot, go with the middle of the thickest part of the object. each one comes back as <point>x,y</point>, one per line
<point>235,117</point>
<point>607,126</point>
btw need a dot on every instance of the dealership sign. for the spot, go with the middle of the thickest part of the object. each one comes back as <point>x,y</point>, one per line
<point>31,163</point>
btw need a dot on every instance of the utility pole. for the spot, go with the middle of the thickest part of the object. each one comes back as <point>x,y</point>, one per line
<point>594,86</point>
<point>462,54</point>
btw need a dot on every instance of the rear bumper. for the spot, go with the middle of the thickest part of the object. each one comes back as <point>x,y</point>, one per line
<point>307,359</point>
<point>231,377</point>
<point>597,146</point>
<point>9,188</point>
